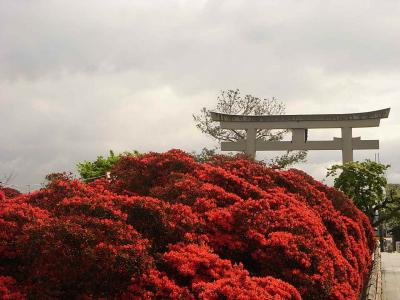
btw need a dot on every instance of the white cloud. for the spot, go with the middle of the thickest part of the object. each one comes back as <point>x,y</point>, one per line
<point>79,78</point>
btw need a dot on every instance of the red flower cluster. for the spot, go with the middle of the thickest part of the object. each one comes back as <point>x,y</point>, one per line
<point>7,192</point>
<point>8,289</point>
<point>166,227</point>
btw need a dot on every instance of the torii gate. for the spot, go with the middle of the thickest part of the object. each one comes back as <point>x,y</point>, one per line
<point>299,125</point>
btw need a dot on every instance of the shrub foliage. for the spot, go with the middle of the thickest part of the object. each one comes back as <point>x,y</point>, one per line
<point>167,227</point>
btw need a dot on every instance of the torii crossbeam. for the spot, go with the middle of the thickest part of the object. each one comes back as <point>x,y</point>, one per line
<point>299,125</point>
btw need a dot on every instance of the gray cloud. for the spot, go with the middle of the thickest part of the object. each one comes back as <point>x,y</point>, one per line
<point>79,78</point>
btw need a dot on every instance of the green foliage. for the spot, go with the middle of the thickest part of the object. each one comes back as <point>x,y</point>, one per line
<point>391,211</point>
<point>365,183</point>
<point>91,170</point>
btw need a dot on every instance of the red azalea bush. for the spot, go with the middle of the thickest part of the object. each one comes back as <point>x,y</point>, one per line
<point>167,227</point>
<point>8,192</point>
<point>9,290</point>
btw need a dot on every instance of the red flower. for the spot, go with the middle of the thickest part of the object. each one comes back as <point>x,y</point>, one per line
<point>8,192</point>
<point>166,227</point>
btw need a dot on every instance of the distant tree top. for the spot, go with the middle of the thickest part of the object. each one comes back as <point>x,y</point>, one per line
<point>232,102</point>
<point>91,170</point>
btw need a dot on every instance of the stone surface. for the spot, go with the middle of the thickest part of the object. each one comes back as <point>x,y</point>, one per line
<point>299,125</point>
<point>374,285</point>
<point>391,275</point>
<point>377,114</point>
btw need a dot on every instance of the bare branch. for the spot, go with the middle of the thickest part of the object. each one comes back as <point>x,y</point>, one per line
<point>231,102</point>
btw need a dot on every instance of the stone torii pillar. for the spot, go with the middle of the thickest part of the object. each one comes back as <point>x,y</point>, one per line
<point>347,144</point>
<point>299,126</point>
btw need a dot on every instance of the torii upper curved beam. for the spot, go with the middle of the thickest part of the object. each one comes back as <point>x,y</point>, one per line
<point>354,120</point>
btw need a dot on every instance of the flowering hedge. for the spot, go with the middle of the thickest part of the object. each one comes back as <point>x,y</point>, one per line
<point>166,227</point>
<point>8,192</point>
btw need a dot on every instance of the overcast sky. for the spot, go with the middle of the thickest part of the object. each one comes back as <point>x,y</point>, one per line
<point>78,78</point>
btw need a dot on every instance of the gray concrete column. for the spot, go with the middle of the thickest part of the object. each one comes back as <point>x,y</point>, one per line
<point>347,147</point>
<point>251,134</point>
<point>298,136</point>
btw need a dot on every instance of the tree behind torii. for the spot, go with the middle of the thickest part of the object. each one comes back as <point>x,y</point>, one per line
<point>231,102</point>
